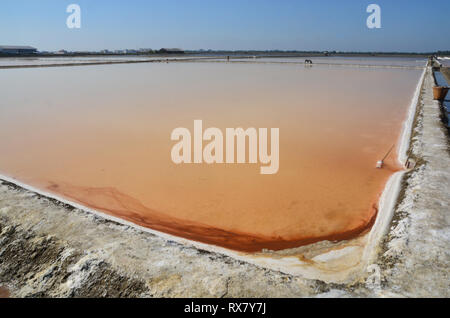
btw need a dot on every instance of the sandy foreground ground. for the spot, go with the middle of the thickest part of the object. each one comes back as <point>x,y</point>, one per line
<point>50,249</point>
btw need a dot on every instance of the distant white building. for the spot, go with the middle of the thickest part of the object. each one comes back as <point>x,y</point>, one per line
<point>17,49</point>
<point>145,50</point>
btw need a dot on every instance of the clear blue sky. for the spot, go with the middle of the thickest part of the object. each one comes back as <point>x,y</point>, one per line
<point>407,25</point>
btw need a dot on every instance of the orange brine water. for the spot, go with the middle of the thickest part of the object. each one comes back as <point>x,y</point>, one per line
<point>100,136</point>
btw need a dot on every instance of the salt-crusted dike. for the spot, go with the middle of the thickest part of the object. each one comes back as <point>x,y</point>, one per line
<point>50,249</point>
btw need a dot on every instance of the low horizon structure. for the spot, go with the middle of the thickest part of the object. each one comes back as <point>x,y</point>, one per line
<point>17,50</point>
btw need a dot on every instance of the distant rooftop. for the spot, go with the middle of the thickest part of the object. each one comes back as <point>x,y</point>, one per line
<point>16,47</point>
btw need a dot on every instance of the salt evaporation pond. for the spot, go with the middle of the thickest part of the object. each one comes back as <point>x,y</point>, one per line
<point>56,60</point>
<point>100,136</point>
<point>343,60</point>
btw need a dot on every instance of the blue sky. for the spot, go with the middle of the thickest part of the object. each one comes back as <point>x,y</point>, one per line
<point>407,25</point>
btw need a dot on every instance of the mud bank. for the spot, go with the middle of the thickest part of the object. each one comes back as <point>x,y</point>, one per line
<point>77,253</point>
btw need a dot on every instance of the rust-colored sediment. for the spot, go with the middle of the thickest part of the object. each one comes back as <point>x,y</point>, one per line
<point>112,202</point>
<point>90,136</point>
